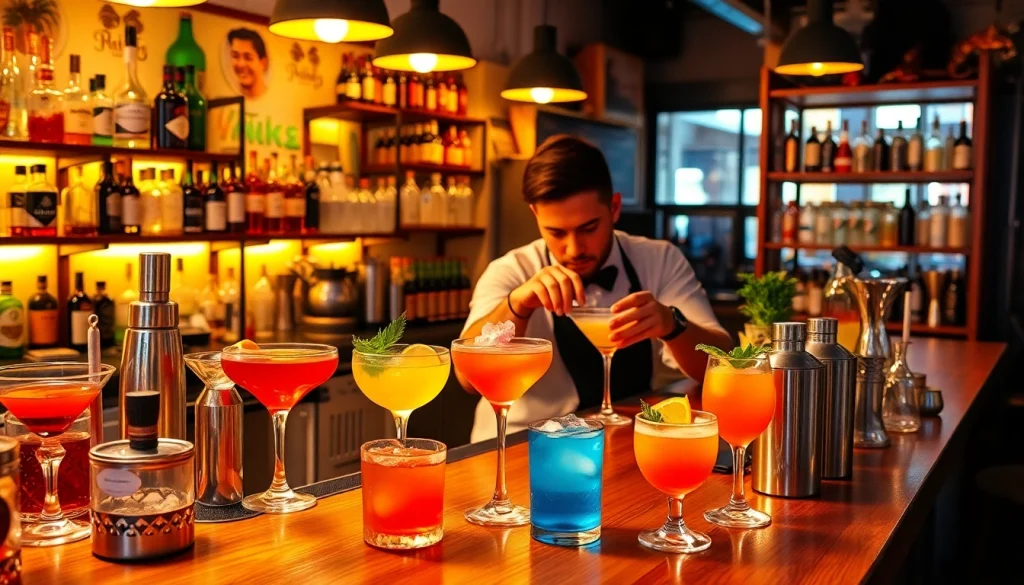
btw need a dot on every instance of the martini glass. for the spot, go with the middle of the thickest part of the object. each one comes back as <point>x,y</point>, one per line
<point>279,375</point>
<point>501,373</point>
<point>47,398</point>
<point>594,323</point>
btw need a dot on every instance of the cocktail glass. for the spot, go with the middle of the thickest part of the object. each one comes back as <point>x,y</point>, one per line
<point>501,373</point>
<point>403,492</point>
<point>47,398</point>
<point>279,375</point>
<point>593,322</point>
<point>741,393</point>
<point>73,483</point>
<point>402,380</point>
<point>566,462</point>
<point>676,459</point>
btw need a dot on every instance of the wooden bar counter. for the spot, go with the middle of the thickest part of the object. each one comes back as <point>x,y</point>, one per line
<point>855,531</point>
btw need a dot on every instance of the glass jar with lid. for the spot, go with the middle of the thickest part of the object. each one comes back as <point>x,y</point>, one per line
<point>872,215</point>
<point>823,224</point>
<point>888,226</point>
<point>840,215</point>
<point>855,224</point>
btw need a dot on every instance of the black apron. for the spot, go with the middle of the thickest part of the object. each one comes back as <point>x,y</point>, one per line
<point>632,367</point>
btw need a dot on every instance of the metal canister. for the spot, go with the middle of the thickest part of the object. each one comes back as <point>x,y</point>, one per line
<point>218,433</point>
<point>787,456</point>
<point>838,389</point>
<point>868,430</point>
<point>10,519</point>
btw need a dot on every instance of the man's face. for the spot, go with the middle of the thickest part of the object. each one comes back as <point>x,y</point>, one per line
<point>579,230</point>
<point>246,63</point>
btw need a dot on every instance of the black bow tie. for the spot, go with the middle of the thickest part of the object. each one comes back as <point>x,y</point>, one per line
<point>605,278</point>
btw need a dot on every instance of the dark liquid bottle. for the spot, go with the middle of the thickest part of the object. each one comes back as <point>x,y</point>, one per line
<point>171,111</point>
<point>215,203</point>
<point>79,308</point>
<point>192,199</point>
<point>898,152</point>
<point>313,196</point>
<point>42,317</point>
<point>880,152</point>
<point>792,148</point>
<point>955,300</point>
<point>105,313</point>
<point>908,220</point>
<point>129,204</point>
<point>812,152</point>
<point>234,193</point>
<point>828,150</point>
<point>108,197</point>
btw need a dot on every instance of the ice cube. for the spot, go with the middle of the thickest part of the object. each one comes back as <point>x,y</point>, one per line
<point>551,426</point>
<point>572,421</point>
<point>572,462</point>
<point>496,334</point>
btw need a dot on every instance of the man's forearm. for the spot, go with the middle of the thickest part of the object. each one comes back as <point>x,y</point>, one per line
<point>500,314</point>
<point>692,361</point>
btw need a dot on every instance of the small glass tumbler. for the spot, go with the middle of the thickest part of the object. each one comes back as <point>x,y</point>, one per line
<point>403,492</point>
<point>901,412</point>
<point>566,467</point>
<point>10,522</point>
<point>73,480</point>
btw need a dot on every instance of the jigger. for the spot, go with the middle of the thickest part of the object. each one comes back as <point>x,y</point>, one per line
<point>935,284</point>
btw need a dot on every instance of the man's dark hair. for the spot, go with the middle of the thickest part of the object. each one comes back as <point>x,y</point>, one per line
<point>563,166</point>
<point>247,34</point>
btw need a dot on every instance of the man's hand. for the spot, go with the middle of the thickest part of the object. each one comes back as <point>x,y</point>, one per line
<point>637,317</point>
<point>554,288</point>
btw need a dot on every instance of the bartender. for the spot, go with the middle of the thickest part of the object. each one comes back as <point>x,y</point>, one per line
<point>660,310</point>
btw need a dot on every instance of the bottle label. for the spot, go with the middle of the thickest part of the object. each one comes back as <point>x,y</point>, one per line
<point>812,156</point>
<point>194,218</point>
<point>295,207</point>
<point>12,324</point>
<point>151,220</point>
<point>933,160</point>
<point>103,121</point>
<point>390,94</point>
<point>171,212</point>
<point>118,483</point>
<point>216,216</point>
<point>42,327</point>
<point>178,125</point>
<point>114,205</point>
<point>961,157</point>
<point>275,204</point>
<point>130,210</point>
<point>844,163</point>
<point>431,99</point>
<point>131,121</point>
<point>80,327</point>
<point>791,156</point>
<point>255,203</point>
<point>41,207</point>
<point>914,155</point>
<point>5,114</point>
<point>77,118</point>
<point>353,90</point>
<point>19,218</point>
<point>236,207</point>
<point>368,89</point>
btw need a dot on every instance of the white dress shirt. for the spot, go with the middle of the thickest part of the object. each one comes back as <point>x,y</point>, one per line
<point>662,270</point>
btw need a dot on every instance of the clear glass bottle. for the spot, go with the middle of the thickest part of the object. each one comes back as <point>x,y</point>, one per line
<point>900,410</point>
<point>151,222</point>
<point>45,103</point>
<point>410,198</point>
<point>12,92</point>
<point>102,114</point>
<point>840,216</point>
<point>390,202</point>
<point>263,302</point>
<point>380,206</point>
<point>933,149</point>
<point>790,223</point>
<point>229,298</point>
<point>453,202</point>
<point>922,229</point>
<point>333,201</point>
<point>132,111</point>
<point>124,300</point>
<point>938,225</point>
<point>41,204</point>
<point>77,107</point>
<point>211,307</point>
<point>888,226</point>
<point>959,232</point>
<point>915,148</point>
<point>363,202</point>
<point>872,215</point>
<point>948,150</point>
<point>172,207</point>
<point>808,214</point>
<point>438,206</point>
<point>855,224</point>
<point>468,202</point>
<point>823,223</point>
<point>80,206</point>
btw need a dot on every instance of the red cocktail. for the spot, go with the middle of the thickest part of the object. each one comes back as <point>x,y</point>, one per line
<point>73,483</point>
<point>403,492</point>
<point>279,375</point>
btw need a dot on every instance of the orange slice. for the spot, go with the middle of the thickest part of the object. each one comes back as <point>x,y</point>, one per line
<point>675,410</point>
<point>246,345</point>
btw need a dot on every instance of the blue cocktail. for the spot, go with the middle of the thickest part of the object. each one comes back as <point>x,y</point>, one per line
<point>566,461</point>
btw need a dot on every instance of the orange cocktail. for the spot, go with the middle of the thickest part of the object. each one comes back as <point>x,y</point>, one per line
<point>595,324</point>
<point>501,371</point>
<point>676,459</point>
<point>403,492</point>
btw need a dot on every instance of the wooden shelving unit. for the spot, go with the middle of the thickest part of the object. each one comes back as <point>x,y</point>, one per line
<point>88,151</point>
<point>779,95</point>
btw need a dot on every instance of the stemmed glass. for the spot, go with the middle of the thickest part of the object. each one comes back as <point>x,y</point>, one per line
<point>741,392</point>
<point>501,373</point>
<point>279,375</point>
<point>47,398</point>
<point>594,323</point>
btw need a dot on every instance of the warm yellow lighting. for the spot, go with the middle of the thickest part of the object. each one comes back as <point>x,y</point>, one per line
<point>424,62</point>
<point>341,254</point>
<point>817,69</point>
<point>157,3</point>
<point>272,247</point>
<point>16,253</point>
<point>324,131</point>
<point>133,250</point>
<point>544,95</point>
<point>331,30</point>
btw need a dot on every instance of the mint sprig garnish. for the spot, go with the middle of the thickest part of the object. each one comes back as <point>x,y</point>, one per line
<point>648,413</point>
<point>737,357</point>
<point>380,344</point>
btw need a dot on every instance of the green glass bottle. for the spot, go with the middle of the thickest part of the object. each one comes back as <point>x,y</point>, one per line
<point>12,323</point>
<point>185,50</point>
<point>196,111</point>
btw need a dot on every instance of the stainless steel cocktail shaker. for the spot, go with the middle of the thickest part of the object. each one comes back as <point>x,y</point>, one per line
<point>838,386</point>
<point>151,359</point>
<point>787,456</point>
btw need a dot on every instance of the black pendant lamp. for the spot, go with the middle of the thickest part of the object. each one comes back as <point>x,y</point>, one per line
<point>425,40</point>
<point>331,21</point>
<point>821,47</point>
<point>544,76</point>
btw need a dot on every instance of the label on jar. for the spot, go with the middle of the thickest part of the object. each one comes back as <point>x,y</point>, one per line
<point>77,117</point>
<point>118,482</point>
<point>41,207</point>
<point>131,121</point>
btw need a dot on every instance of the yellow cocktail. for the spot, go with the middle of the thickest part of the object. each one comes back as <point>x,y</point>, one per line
<point>403,379</point>
<point>594,323</point>
<point>597,330</point>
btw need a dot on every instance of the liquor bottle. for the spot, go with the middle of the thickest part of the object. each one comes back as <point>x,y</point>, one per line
<point>438,201</point>
<point>275,198</point>
<point>962,149</point>
<point>255,199</point>
<point>436,144</point>
<point>389,90</point>
<point>124,301</point>
<point>16,201</point>
<point>185,51</point>
<point>828,150</point>
<point>197,109</point>
<point>933,149</point>
<point>465,288</point>
<point>402,90</point>
<point>442,94</point>
<point>938,225</point>
<point>948,148</point>
<point>862,147</point>
<point>898,151</point>
<point>102,114</point>
<point>234,192</point>
<point>149,203</point>
<point>216,204</point>
<point>13,103</point>
<point>108,200</point>
<point>955,302</point>
<point>12,323</point>
<point>79,308</point>
<point>389,203</point>
<point>452,202</point>
<point>958,233</point>
<point>172,206</point>
<point>880,152</point>
<point>42,317</point>
<point>171,108</point>
<point>130,210</point>
<point>80,207</point>
<point>908,222</point>
<point>104,307</point>
<point>354,85</point>
<point>182,293</point>
<point>131,104</point>
<point>41,204</point>
<point>443,287</point>
<point>429,93</point>
<point>792,149</point>
<point>77,107</point>
<point>922,230</point>
<point>262,301</point>
<point>192,198</point>
<point>369,87</point>
<point>417,92</point>
<point>843,162</point>
<point>453,96</point>
<point>313,178</point>
<point>342,80</point>
<point>31,66</point>
<point>453,153</point>
<point>915,149</point>
<point>790,223</point>
<point>468,202</point>
<point>409,197</point>
<point>45,103</point>
<point>812,153</point>
<point>229,298</point>
<point>917,304</point>
<point>294,201</point>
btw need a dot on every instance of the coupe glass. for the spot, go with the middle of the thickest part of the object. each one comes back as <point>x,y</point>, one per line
<point>593,322</point>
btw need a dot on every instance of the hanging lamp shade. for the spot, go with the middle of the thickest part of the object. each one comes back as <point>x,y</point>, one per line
<point>158,3</point>
<point>331,21</point>
<point>425,40</point>
<point>544,76</point>
<point>821,47</point>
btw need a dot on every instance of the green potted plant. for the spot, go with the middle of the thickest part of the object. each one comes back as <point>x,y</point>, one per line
<point>766,300</point>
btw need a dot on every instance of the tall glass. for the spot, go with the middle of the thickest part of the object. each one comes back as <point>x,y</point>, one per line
<point>741,393</point>
<point>676,459</point>
<point>594,323</point>
<point>403,492</point>
<point>501,374</point>
<point>279,375</point>
<point>47,398</point>
<point>402,380</point>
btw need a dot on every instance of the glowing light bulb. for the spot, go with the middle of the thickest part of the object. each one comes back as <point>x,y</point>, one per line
<point>141,3</point>
<point>817,69</point>
<point>423,62</point>
<point>330,30</point>
<point>542,95</point>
